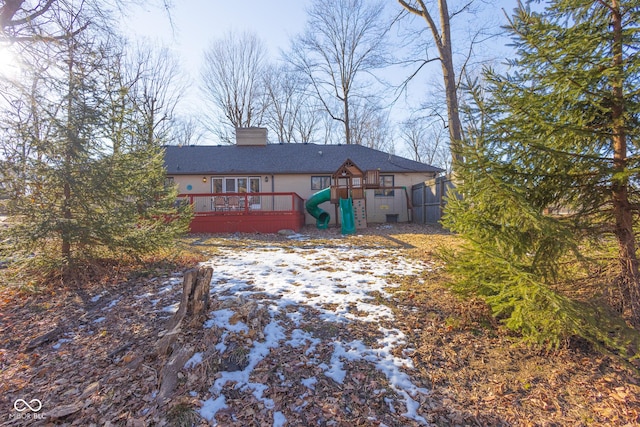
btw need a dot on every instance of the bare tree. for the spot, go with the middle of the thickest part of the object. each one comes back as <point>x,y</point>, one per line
<point>414,136</point>
<point>370,126</point>
<point>143,89</point>
<point>185,131</point>
<point>426,141</point>
<point>344,41</point>
<point>440,28</point>
<point>24,20</point>
<point>308,121</point>
<point>157,91</point>
<point>232,80</point>
<point>290,113</point>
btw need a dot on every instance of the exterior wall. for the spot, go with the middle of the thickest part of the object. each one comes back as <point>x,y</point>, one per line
<point>193,184</point>
<point>380,207</point>
<point>377,207</point>
<point>301,184</point>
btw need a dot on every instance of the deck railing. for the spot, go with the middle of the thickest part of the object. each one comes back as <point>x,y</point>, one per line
<point>213,204</point>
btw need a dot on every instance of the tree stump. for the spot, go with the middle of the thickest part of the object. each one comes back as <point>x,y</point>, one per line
<point>195,298</point>
<point>191,313</point>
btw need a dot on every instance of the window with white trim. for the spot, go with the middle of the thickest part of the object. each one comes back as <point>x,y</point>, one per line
<point>320,182</point>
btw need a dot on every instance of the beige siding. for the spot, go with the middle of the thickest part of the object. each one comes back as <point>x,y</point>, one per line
<point>377,207</point>
<point>191,184</point>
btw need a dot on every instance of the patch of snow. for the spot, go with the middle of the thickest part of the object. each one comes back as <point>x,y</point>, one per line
<point>274,333</point>
<point>173,308</point>
<point>309,382</point>
<point>145,295</point>
<point>335,371</point>
<point>300,338</point>
<point>221,346</point>
<point>97,298</point>
<point>211,406</point>
<point>334,281</point>
<point>222,319</point>
<point>61,341</point>
<point>175,280</point>
<point>296,317</point>
<point>100,320</point>
<point>195,360</point>
<point>312,277</point>
<point>111,304</point>
<point>389,402</point>
<point>279,420</point>
<point>299,237</point>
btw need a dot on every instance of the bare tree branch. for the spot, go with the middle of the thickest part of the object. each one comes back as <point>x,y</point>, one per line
<point>342,41</point>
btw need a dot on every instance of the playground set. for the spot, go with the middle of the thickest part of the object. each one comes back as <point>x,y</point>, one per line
<point>260,212</point>
<point>347,194</point>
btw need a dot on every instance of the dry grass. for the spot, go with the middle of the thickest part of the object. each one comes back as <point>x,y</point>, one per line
<point>481,374</point>
<point>478,373</point>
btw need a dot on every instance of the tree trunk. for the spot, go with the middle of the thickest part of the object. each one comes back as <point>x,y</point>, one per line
<point>442,40</point>
<point>450,87</point>
<point>68,160</point>
<point>629,280</point>
<point>65,232</point>
<point>193,307</point>
<point>347,121</point>
<point>622,211</point>
<point>455,127</point>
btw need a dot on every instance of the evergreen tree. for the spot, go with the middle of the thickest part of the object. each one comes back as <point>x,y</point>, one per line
<point>558,132</point>
<point>82,174</point>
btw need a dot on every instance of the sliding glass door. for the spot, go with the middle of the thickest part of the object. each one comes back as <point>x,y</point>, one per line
<point>249,184</point>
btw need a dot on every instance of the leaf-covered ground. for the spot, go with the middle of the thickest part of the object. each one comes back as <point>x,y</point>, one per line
<point>313,329</point>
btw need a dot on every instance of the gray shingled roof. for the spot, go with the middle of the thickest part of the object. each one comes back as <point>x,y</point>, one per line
<point>283,159</point>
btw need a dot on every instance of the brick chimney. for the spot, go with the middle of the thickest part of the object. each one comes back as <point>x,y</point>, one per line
<point>251,136</point>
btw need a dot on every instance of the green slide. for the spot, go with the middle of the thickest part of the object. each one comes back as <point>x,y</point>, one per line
<point>347,216</point>
<point>321,216</point>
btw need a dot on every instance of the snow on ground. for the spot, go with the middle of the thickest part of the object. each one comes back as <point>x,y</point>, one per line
<point>338,282</point>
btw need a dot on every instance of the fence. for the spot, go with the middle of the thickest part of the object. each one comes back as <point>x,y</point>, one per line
<point>429,199</point>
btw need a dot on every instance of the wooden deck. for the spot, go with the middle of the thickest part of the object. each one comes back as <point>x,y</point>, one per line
<point>245,212</point>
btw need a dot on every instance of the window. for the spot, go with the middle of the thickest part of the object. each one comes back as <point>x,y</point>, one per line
<point>386,184</point>
<point>216,185</point>
<point>254,184</point>
<point>230,185</point>
<point>249,184</point>
<point>320,182</point>
<point>168,183</point>
<point>242,185</point>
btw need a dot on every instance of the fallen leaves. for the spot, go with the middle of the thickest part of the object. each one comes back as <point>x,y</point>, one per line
<point>105,373</point>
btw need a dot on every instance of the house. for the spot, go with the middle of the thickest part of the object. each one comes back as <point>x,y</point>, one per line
<point>254,169</point>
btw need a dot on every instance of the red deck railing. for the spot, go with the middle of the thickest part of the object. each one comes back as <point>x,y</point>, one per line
<point>245,212</point>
